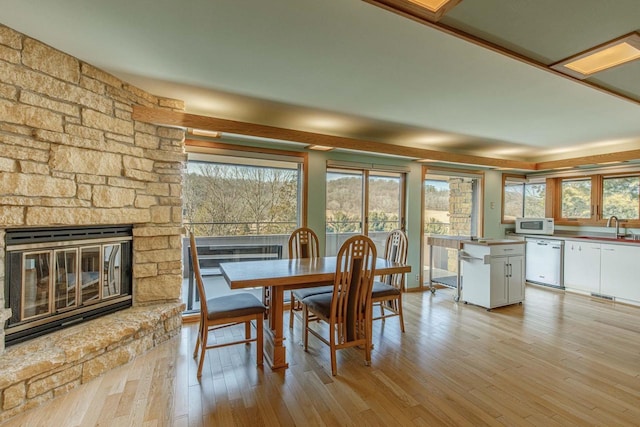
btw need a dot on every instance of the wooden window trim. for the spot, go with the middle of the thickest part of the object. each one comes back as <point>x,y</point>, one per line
<point>554,196</point>
<point>505,178</point>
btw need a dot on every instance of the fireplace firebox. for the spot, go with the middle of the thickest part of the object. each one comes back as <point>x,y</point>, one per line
<point>57,277</point>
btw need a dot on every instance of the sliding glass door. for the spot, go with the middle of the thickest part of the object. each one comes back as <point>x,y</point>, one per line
<point>362,201</point>
<point>452,206</point>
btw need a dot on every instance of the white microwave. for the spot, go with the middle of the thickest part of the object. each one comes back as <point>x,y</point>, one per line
<point>534,226</point>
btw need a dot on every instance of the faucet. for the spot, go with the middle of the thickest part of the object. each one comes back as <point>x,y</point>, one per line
<point>612,217</point>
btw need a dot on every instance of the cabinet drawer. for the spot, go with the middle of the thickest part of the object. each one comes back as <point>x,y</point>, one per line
<point>507,250</point>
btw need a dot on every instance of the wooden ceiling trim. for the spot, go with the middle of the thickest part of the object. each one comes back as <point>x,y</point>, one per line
<point>595,159</point>
<point>186,120</point>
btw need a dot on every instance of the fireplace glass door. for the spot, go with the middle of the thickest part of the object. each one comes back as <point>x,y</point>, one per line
<point>36,299</point>
<point>111,269</point>
<point>90,280</point>
<point>66,278</point>
<point>57,277</point>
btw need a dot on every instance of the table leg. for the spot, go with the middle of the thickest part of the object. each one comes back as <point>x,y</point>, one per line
<point>274,348</point>
<point>431,288</point>
<point>458,276</point>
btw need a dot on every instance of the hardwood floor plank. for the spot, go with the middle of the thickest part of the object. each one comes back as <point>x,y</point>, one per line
<point>557,360</point>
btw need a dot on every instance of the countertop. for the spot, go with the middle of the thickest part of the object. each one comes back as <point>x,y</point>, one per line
<point>493,242</point>
<point>596,238</point>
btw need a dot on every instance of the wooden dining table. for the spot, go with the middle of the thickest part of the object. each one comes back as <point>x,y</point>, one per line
<point>278,276</point>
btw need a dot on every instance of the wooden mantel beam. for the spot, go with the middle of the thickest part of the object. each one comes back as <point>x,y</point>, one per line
<point>186,120</point>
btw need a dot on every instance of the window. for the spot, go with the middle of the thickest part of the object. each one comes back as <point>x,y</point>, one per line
<point>523,199</point>
<point>368,201</point>
<point>240,205</point>
<point>576,198</point>
<point>592,199</point>
<point>620,197</point>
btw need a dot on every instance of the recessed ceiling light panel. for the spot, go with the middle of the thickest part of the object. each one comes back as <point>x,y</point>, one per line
<point>611,54</point>
<point>430,10</point>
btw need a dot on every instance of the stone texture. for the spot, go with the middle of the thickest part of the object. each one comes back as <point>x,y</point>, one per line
<point>10,38</point>
<point>145,270</point>
<point>144,202</point>
<point>110,197</point>
<point>139,163</point>
<point>100,75</point>
<point>158,255</point>
<point>11,216</point>
<point>78,160</point>
<point>42,215</point>
<point>7,165</point>
<point>51,382</point>
<point>51,61</point>
<point>160,230</point>
<point>105,122</point>
<point>37,82</point>
<point>30,116</point>
<point>151,243</point>
<point>23,184</point>
<point>171,103</point>
<point>161,288</point>
<point>36,100</point>
<point>7,91</point>
<point>13,396</point>
<point>140,175</point>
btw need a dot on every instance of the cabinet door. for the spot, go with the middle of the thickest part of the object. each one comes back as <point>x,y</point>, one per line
<point>498,283</point>
<point>619,271</point>
<point>516,279</point>
<point>582,266</point>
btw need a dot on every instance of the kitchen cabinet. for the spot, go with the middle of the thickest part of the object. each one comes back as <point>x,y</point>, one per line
<point>582,266</point>
<point>619,271</point>
<point>493,272</point>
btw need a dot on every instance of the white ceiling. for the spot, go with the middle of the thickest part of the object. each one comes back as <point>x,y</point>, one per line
<point>341,67</point>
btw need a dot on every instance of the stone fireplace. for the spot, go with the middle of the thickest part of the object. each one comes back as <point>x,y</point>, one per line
<point>71,156</point>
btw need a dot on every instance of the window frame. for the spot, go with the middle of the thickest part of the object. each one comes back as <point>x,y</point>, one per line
<point>524,180</point>
<point>597,199</point>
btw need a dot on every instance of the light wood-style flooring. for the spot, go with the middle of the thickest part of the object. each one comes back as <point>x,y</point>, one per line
<point>557,360</point>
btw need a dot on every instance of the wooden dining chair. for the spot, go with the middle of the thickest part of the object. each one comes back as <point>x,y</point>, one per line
<point>303,243</point>
<point>225,311</point>
<point>347,310</point>
<point>387,292</point>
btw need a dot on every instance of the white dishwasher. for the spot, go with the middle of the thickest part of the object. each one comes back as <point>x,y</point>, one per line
<point>543,262</point>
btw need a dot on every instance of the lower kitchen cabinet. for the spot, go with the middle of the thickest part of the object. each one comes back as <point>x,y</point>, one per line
<point>619,271</point>
<point>582,266</point>
<point>493,273</point>
<point>604,269</point>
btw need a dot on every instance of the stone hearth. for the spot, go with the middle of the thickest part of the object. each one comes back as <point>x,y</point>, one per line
<point>71,154</point>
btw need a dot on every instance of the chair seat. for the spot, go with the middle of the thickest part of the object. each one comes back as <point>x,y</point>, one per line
<point>383,290</point>
<point>303,293</point>
<point>234,305</point>
<point>320,303</point>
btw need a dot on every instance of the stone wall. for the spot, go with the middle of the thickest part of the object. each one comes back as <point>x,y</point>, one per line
<point>70,154</point>
<point>460,214</point>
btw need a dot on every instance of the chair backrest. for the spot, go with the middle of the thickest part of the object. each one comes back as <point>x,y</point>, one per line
<point>351,302</point>
<point>395,250</point>
<point>196,271</point>
<point>303,243</point>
